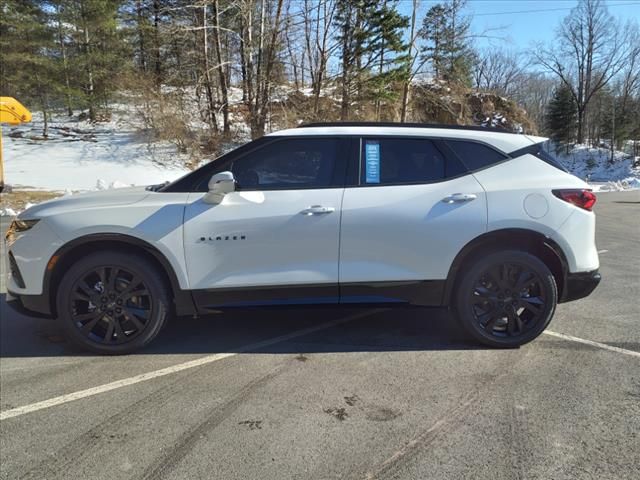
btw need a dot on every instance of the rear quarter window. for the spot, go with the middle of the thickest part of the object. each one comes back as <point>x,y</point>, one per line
<point>475,155</point>
<point>541,151</point>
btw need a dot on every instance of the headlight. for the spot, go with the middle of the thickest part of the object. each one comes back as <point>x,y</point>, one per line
<point>18,226</point>
<point>23,225</point>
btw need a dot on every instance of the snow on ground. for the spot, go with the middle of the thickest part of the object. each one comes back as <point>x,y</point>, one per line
<point>8,212</point>
<point>81,156</point>
<point>594,165</point>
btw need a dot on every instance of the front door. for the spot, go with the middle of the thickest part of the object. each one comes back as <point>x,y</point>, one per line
<point>276,239</point>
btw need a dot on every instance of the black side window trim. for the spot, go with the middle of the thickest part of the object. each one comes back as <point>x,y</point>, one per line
<point>537,150</point>
<point>439,145</point>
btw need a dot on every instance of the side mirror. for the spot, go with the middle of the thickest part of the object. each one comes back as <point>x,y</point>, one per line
<point>219,185</point>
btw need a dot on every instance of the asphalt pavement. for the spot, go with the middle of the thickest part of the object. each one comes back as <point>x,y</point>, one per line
<point>315,393</point>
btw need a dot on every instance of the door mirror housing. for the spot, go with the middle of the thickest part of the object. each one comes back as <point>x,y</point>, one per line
<point>219,185</point>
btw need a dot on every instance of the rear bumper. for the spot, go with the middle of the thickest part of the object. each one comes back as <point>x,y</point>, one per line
<point>29,305</point>
<point>579,285</point>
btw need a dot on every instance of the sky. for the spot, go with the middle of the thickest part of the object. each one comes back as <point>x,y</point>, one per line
<point>520,31</point>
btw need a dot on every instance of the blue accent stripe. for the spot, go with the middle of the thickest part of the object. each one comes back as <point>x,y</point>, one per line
<point>370,299</point>
<point>282,301</point>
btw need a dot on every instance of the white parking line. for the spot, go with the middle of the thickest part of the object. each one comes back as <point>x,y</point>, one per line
<point>604,346</point>
<point>89,392</point>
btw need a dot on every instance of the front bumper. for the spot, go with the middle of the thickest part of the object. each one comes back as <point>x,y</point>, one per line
<point>29,305</point>
<point>579,285</point>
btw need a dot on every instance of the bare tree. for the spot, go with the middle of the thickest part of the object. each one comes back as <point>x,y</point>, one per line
<point>206,79</point>
<point>322,47</point>
<point>592,48</point>
<point>533,91</point>
<point>497,71</point>
<point>258,64</point>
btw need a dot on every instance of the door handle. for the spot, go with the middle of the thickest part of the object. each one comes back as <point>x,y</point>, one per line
<point>317,210</point>
<point>459,198</point>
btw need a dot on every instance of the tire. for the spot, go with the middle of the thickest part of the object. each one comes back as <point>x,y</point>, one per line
<point>506,299</point>
<point>112,303</point>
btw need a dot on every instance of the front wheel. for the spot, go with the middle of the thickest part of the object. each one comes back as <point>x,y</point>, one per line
<point>112,302</point>
<point>506,299</point>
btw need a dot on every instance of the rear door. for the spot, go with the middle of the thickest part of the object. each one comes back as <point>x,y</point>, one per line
<point>413,210</point>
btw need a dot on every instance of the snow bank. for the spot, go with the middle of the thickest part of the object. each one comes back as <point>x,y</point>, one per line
<point>8,212</point>
<point>594,165</point>
<point>630,183</point>
<point>77,155</point>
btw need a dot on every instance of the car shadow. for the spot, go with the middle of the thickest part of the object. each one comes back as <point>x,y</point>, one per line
<point>271,330</point>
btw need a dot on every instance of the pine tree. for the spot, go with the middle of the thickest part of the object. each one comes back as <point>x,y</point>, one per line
<point>446,32</point>
<point>354,20</point>
<point>26,42</point>
<point>373,51</point>
<point>390,53</point>
<point>100,50</point>
<point>561,116</point>
<point>434,31</point>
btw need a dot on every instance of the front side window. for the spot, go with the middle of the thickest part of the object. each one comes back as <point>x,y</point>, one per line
<point>397,161</point>
<point>289,164</point>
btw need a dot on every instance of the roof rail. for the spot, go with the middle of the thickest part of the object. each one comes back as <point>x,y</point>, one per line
<point>407,125</point>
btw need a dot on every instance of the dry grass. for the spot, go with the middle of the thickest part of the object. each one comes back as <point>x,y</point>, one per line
<point>18,199</point>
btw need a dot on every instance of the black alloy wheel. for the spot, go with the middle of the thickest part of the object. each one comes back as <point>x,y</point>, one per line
<point>112,302</point>
<point>507,299</point>
<point>110,305</point>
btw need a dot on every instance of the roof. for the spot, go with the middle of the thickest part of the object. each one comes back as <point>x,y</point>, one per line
<point>504,141</point>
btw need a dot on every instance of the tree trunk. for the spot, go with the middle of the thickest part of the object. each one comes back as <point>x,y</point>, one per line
<point>141,34</point>
<point>255,120</point>
<point>261,116</point>
<point>88,52</point>
<point>220,67</point>
<point>407,84</point>
<point>346,68</point>
<point>207,74</point>
<point>322,54</point>
<point>65,63</point>
<point>156,44</point>
<point>580,125</point>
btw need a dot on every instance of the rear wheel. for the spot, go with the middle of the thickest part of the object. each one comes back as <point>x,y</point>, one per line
<point>112,303</point>
<point>506,299</point>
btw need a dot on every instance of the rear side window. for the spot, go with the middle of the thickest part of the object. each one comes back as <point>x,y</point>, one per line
<point>475,155</point>
<point>397,161</point>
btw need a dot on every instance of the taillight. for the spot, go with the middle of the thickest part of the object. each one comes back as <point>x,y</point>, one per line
<point>578,197</point>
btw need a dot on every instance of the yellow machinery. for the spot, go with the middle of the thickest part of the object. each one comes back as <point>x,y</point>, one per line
<point>12,112</point>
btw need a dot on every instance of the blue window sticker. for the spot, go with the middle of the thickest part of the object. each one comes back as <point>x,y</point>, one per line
<point>372,161</point>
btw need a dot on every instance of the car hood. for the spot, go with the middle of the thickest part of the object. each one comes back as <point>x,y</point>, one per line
<point>103,198</point>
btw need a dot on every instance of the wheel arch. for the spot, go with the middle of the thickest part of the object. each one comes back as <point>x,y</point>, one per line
<point>84,245</point>
<point>530,241</point>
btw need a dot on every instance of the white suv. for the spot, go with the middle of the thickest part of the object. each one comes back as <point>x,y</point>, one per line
<point>479,220</point>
